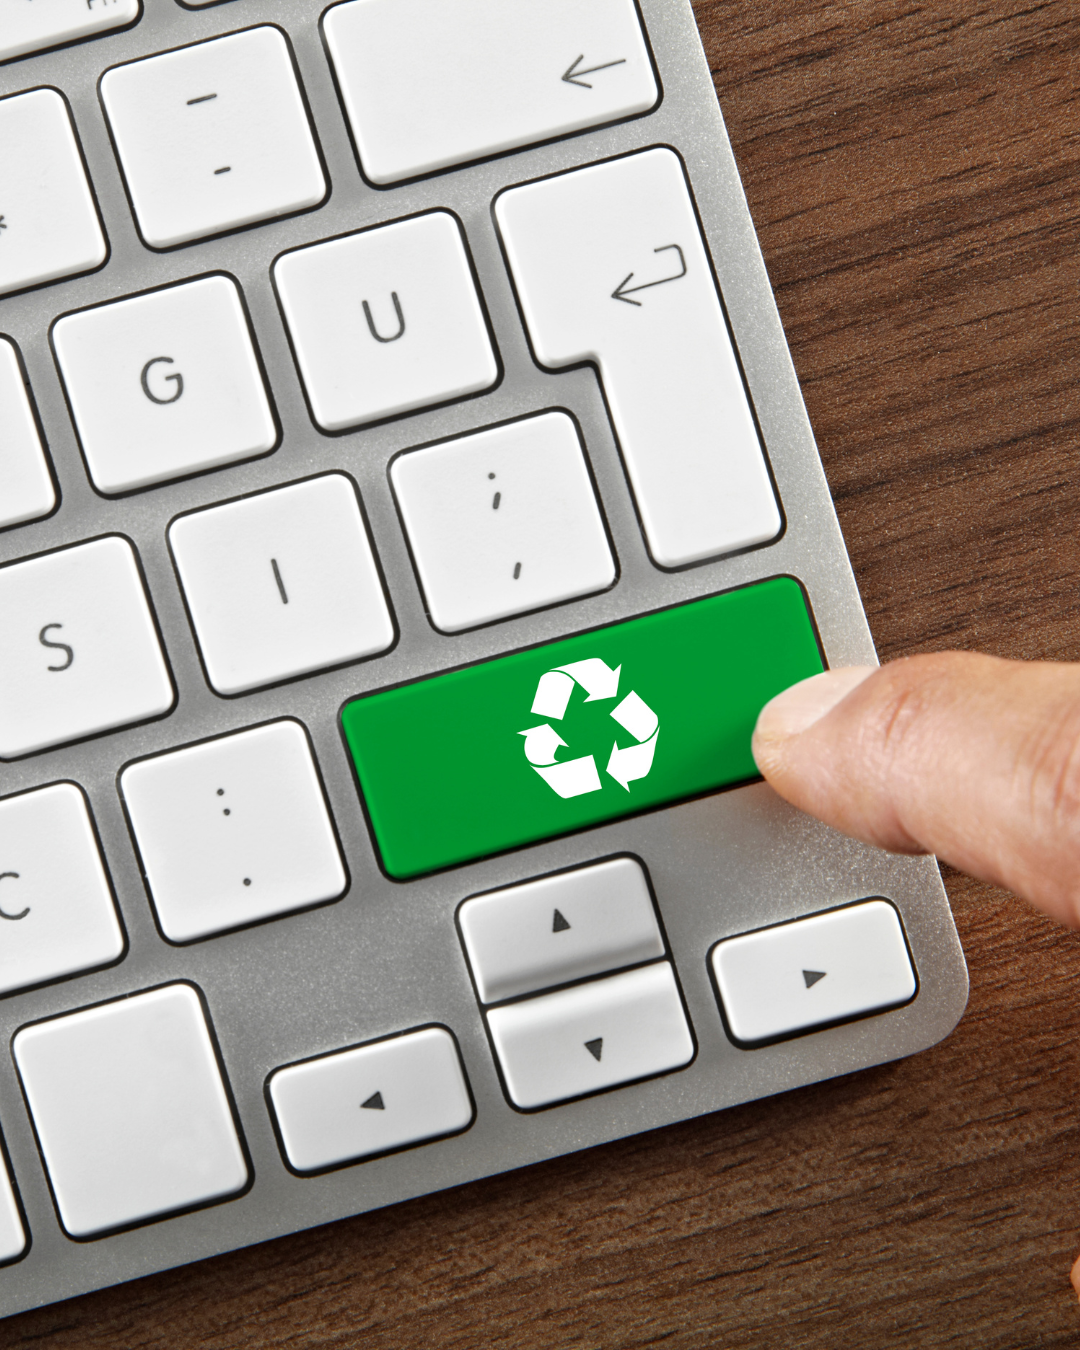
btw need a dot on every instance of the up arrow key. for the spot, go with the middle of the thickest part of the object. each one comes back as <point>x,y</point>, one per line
<point>812,976</point>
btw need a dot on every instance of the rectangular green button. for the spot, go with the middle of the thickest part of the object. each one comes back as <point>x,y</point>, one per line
<point>580,731</point>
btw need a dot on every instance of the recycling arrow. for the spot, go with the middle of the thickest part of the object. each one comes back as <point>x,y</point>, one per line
<point>576,777</point>
<point>541,744</point>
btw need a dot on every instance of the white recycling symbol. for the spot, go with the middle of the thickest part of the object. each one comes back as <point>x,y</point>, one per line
<point>576,777</point>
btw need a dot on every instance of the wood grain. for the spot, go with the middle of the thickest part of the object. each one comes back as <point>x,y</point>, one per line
<point>913,169</point>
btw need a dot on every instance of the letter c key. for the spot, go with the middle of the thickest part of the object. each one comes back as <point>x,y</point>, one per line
<point>3,912</point>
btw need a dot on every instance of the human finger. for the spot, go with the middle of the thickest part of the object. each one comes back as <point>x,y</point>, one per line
<point>970,757</point>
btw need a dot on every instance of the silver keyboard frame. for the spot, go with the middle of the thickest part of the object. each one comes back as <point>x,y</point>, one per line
<point>387,956</point>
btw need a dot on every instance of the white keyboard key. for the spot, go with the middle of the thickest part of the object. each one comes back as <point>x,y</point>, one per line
<point>12,1232</point>
<point>56,907</point>
<point>386,321</point>
<point>26,486</point>
<point>47,23</point>
<point>592,1036</point>
<point>559,928</point>
<point>130,1110</point>
<point>610,267</point>
<point>828,968</point>
<point>427,84</point>
<point>281,584</point>
<point>213,137</point>
<point>386,1095</point>
<point>81,654</point>
<point>49,226</point>
<point>503,521</point>
<point>233,830</point>
<point>164,384</point>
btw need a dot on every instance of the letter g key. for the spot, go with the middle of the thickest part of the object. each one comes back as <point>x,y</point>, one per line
<point>176,378</point>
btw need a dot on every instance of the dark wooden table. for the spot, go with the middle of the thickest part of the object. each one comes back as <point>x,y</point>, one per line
<point>913,167</point>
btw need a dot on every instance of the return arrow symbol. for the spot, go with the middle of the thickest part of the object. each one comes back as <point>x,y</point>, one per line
<point>622,290</point>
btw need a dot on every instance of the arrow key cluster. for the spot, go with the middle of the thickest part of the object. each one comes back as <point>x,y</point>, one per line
<point>591,1033</point>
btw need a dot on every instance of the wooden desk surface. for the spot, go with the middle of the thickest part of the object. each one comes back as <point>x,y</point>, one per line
<point>913,169</point>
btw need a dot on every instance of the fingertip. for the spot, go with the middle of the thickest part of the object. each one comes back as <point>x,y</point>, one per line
<point>1074,1277</point>
<point>796,709</point>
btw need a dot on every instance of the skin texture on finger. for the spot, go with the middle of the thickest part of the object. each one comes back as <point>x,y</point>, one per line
<point>970,757</point>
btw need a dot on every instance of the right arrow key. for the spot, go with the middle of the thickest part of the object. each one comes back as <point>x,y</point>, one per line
<point>797,977</point>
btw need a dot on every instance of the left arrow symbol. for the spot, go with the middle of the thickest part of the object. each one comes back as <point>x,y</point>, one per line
<point>573,76</point>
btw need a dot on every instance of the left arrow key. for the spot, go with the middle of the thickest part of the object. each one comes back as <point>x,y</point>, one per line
<point>315,1102</point>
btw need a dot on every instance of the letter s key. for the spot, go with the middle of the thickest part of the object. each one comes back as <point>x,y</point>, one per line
<point>60,646</point>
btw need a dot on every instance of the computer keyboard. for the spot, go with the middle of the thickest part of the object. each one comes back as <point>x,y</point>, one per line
<point>406,507</point>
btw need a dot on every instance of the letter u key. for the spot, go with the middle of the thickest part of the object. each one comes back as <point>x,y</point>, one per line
<point>371,322</point>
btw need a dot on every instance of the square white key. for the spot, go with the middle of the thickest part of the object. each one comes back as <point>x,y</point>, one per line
<point>164,384</point>
<point>281,584</point>
<point>233,830</point>
<point>81,653</point>
<point>413,109</point>
<point>47,23</point>
<point>386,321</point>
<point>385,1095</point>
<point>503,521</point>
<point>49,225</point>
<point>130,1110</point>
<point>57,914</point>
<point>213,137</point>
<point>26,486</point>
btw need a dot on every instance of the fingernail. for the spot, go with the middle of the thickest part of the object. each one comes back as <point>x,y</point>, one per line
<point>803,704</point>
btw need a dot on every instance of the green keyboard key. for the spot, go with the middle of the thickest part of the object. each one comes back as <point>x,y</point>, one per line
<point>604,724</point>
